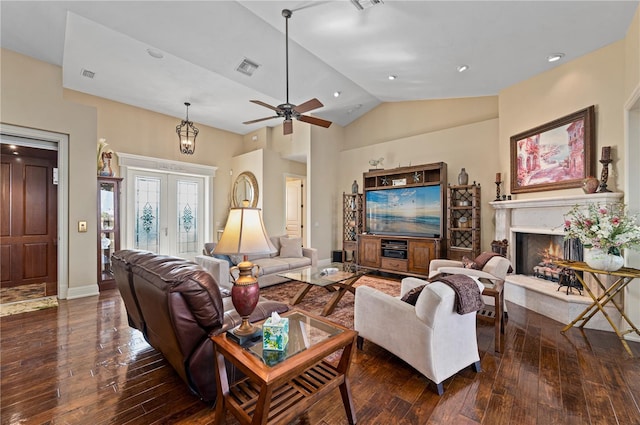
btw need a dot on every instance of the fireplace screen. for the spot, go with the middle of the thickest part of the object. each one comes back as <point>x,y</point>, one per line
<point>536,252</point>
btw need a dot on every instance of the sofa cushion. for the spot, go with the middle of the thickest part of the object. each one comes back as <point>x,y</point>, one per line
<point>296,263</point>
<point>291,247</point>
<point>271,265</point>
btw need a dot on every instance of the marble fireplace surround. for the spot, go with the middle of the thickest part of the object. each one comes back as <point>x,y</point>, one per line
<point>546,216</point>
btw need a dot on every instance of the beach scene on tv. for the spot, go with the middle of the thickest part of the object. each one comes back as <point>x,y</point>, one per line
<point>404,211</point>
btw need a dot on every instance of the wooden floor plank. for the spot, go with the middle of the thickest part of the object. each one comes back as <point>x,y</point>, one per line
<point>80,363</point>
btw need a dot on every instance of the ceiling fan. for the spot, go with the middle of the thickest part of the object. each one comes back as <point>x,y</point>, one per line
<point>287,110</point>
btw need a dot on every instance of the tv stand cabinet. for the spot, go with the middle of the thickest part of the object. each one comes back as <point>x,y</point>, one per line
<point>398,254</point>
<point>409,255</point>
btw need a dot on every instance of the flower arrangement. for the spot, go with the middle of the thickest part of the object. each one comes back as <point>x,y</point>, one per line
<point>607,227</point>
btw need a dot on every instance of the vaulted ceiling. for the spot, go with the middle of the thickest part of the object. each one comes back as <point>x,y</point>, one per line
<point>159,54</point>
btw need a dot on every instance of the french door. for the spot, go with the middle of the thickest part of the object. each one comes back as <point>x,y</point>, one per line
<point>165,213</point>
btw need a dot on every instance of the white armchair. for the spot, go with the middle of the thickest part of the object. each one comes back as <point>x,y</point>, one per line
<point>496,268</point>
<point>432,337</point>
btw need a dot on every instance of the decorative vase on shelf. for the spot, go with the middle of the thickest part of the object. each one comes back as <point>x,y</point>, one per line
<point>354,187</point>
<point>463,178</point>
<point>590,184</point>
<point>599,259</point>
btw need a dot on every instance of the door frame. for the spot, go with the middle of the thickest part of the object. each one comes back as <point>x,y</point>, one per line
<point>42,139</point>
<point>127,162</point>
<point>303,215</point>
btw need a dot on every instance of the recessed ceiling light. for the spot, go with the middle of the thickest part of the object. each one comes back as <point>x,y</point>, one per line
<point>337,93</point>
<point>155,53</point>
<point>393,77</point>
<point>555,57</point>
<point>462,68</point>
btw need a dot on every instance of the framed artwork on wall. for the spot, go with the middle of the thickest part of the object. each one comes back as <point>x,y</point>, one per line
<point>555,155</point>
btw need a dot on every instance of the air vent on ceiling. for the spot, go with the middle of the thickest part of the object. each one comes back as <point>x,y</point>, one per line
<point>365,4</point>
<point>247,67</point>
<point>88,74</point>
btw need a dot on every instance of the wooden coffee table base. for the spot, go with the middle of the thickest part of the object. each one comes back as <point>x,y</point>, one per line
<point>338,289</point>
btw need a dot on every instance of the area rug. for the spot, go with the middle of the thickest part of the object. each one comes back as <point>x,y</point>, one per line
<point>26,306</point>
<point>317,297</point>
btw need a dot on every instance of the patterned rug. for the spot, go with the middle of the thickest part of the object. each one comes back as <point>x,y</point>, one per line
<point>317,297</point>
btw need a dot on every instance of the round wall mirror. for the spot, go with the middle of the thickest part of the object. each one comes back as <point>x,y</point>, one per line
<point>245,188</point>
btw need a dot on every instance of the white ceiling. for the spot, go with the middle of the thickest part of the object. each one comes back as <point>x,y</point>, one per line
<point>333,47</point>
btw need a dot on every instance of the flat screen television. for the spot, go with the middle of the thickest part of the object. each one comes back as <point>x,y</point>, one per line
<point>404,211</point>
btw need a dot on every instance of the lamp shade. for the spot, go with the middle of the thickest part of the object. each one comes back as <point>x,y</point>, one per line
<point>244,234</point>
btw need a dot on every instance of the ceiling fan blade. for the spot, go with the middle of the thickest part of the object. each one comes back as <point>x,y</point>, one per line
<point>287,127</point>
<point>266,105</point>
<point>315,121</point>
<point>307,106</point>
<point>260,119</point>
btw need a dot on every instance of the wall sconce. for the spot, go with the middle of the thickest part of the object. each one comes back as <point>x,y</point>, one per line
<point>187,134</point>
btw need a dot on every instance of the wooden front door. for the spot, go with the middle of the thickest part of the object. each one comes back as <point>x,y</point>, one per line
<point>28,218</point>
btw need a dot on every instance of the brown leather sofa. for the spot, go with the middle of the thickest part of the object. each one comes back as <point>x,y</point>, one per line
<point>177,305</point>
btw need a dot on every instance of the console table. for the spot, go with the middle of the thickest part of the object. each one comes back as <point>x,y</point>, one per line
<point>624,276</point>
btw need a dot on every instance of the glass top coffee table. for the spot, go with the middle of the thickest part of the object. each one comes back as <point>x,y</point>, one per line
<point>336,277</point>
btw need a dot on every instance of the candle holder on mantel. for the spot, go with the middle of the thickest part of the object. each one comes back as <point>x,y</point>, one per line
<point>498,198</point>
<point>604,176</point>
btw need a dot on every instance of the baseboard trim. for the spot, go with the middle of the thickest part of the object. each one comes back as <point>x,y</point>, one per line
<point>83,291</point>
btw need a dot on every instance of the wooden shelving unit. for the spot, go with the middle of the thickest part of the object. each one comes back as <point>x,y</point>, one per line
<point>404,254</point>
<point>463,221</point>
<point>352,225</point>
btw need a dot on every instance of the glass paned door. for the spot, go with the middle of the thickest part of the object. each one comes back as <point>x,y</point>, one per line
<point>147,212</point>
<point>167,213</point>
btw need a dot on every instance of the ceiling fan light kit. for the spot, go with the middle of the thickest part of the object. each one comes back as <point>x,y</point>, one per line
<point>287,110</point>
<point>187,134</point>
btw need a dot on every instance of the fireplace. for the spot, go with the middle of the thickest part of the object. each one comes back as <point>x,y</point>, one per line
<point>535,254</point>
<point>535,232</point>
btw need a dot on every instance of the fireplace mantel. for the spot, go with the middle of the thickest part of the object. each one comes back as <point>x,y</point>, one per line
<point>545,216</point>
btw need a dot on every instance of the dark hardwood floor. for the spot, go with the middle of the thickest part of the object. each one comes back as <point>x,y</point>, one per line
<point>80,363</point>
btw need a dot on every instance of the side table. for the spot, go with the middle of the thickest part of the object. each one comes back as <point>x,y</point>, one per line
<point>281,385</point>
<point>624,276</point>
<point>495,289</point>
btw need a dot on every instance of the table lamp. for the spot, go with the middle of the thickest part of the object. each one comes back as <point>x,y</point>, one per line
<point>244,234</point>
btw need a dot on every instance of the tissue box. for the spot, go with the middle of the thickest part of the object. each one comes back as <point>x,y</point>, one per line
<point>275,336</point>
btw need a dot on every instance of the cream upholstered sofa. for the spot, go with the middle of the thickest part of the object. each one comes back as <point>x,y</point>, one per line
<point>432,337</point>
<point>290,255</point>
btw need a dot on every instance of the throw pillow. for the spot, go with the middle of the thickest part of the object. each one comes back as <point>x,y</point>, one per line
<point>411,297</point>
<point>224,257</point>
<point>482,259</point>
<point>469,264</point>
<point>291,247</point>
<point>236,259</point>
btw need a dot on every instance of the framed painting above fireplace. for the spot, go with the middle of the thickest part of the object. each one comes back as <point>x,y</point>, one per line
<point>555,155</point>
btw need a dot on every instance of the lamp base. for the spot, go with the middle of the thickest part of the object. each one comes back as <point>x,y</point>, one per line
<point>245,328</point>
<point>244,339</point>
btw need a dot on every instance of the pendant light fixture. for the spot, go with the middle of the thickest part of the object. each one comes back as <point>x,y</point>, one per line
<point>187,134</point>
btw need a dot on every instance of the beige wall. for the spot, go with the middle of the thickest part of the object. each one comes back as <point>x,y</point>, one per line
<point>32,96</point>
<point>393,121</point>
<point>632,56</point>
<point>472,146</point>
<point>141,132</point>
<point>594,79</point>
